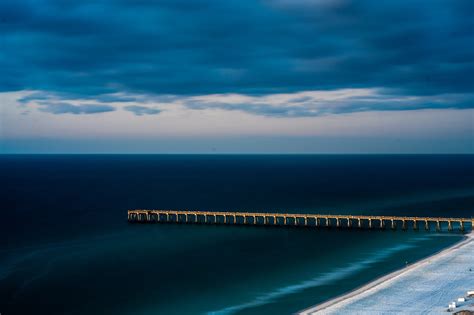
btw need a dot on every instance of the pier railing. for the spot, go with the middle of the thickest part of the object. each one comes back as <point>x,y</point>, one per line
<point>296,219</point>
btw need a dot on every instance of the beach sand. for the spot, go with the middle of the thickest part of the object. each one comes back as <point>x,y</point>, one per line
<point>426,287</point>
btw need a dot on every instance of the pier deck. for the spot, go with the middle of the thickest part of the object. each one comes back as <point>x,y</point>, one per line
<point>295,219</point>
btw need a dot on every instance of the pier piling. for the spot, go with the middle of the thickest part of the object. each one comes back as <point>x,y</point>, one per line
<point>291,219</point>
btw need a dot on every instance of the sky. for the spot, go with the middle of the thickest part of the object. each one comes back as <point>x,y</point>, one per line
<point>236,76</point>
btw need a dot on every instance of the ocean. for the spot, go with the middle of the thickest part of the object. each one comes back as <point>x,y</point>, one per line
<point>66,246</point>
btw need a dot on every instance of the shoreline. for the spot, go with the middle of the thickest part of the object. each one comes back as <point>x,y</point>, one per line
<point>387,279</point>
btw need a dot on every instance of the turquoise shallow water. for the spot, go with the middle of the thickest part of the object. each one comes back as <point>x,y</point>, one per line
<point>66,246</point>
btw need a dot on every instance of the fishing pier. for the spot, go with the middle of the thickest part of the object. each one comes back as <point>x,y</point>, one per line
<point>300,220</point>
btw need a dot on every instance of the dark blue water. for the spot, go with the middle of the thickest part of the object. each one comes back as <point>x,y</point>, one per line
<point>66,247</point>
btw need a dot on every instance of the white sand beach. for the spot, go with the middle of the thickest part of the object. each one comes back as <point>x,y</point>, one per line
<point>426,287</point>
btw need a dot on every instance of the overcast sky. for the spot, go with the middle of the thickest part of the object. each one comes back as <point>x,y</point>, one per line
<point>237,76</point>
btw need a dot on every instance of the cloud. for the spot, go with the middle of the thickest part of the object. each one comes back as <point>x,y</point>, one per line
<point>66,108</point>
<point>320,103</point>
<point>35,96</point>
<point>199,47</point>
<point>142,110</point>
<point>296,104</point>
<point>114,98</point>
<point>102,98</point>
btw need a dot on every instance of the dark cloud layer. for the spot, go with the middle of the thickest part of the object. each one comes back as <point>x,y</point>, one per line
<point>92,49</point>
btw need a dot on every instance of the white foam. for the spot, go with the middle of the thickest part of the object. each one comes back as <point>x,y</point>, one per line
<point>323,279</point>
